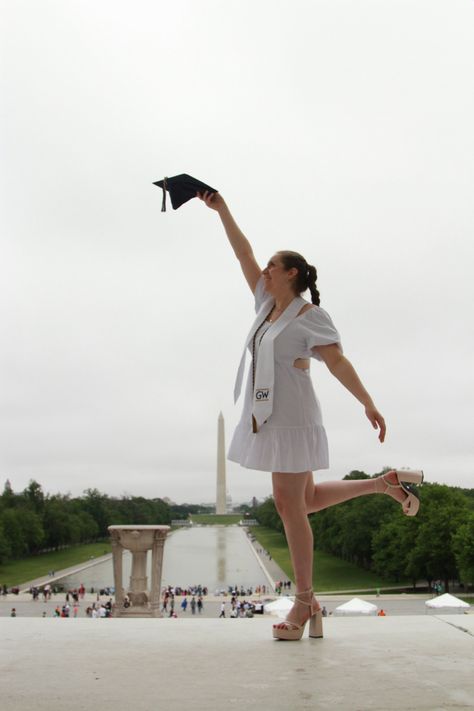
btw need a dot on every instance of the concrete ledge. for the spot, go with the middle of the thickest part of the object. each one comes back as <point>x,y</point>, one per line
<point>414,662</point>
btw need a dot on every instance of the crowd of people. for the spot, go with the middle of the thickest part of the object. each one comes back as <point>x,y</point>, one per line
<point>169,602</point>
<point>191,600</point>
<point>241,608</point>
<point>235,590</point>
<point>190,590</point>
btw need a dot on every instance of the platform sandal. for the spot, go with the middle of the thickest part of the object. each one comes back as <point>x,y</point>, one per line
<point>293,631</point>
<point>406,478</point>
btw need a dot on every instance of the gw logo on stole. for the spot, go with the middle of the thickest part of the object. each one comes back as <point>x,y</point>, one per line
<point>262,394</point>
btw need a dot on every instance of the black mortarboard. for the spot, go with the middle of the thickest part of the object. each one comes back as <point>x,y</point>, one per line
<point>181,189</point>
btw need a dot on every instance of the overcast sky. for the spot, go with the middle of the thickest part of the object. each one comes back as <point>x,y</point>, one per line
<point>338,128</point>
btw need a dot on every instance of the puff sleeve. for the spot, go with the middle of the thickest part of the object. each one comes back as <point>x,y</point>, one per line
<point>261,295</point>
<point>319,330</point>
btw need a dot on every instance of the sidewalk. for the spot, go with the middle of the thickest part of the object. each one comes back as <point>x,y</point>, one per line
<point>273,570</point>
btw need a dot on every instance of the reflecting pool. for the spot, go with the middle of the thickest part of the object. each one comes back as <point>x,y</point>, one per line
<point>212,556</point>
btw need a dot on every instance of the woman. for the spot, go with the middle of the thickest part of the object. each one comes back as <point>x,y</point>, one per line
<point>281,427</point>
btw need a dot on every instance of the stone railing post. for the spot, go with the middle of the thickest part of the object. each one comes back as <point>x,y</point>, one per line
<point>138,601</point>
<point>117,556</point>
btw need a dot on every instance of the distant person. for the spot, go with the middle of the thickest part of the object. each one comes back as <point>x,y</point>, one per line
<point>199,605</point>
<point>281,429</point>
<point>381,613</point>
<point>13,612</point>
<point>324,612</point>
<point>184,604</point>
<point>222,610</point>
<point>193,605</point>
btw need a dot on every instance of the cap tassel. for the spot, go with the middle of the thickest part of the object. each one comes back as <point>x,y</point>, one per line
<point>163,203</point>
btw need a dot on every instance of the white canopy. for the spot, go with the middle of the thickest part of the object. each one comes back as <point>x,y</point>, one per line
<point>446,600</point>
<point>356,606</point>
<point>279,607</point>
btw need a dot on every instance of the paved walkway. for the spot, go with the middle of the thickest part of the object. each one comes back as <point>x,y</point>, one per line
<point>274,571</point>
<point>394,605</point>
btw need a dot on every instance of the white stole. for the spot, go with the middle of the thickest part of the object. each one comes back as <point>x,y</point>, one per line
<point>262,405</point>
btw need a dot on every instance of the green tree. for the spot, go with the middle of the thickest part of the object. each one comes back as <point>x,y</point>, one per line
<point>88,528</point>
<point>34,497</point>
<point>463,546</point>
<point>8,497</point>
<point>32,528</point>
<point>444,509</point>
<point>57,523</point>
<point>14,532</point>
<point>5,547</point>
<point>267,515</point>
<point>97,505</point>
<point>356,474</point>
<point>392,544</point>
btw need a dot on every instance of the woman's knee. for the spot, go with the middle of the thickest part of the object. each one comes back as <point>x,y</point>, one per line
<point>279,497</point>
<point>290,492</point>
<point>288,502</point>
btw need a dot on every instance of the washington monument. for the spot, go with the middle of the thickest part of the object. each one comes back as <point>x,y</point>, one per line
<point>221,503</point>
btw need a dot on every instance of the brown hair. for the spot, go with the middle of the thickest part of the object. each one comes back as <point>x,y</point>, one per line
<point>307,274</point>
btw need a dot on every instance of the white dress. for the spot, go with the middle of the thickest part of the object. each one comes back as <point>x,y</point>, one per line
<point>293,438</point>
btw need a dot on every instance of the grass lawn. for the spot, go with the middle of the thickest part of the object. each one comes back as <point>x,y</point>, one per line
<point>330,573</point>
<point>20,571</point>
<point>216,519</point>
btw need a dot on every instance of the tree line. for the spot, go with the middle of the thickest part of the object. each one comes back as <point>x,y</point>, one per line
<point>32,521</point>
<point>373,532</point>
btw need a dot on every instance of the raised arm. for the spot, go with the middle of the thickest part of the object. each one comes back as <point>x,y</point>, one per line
<point>238,241</point>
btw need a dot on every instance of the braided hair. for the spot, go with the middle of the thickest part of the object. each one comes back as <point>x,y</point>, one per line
<point>307,274</point>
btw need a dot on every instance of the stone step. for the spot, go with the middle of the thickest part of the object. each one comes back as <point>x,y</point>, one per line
<point>384,664</point>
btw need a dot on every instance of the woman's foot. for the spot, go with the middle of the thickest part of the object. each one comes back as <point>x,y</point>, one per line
<point>384,484</point>
<point>395,484</point>
<point>301,611</point>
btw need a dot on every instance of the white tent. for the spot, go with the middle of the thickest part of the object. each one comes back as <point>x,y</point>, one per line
<point>356,606</point>
<point>447,600</point>
<point>279,607</point>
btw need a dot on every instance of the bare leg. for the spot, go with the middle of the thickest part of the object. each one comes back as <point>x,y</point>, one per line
<point>329,493</point>
<point>289,494</point>
<point>295,497</point>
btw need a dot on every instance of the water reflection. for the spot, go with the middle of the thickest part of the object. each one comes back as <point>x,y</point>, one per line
<point>212,556</point>
<point>221,556</point>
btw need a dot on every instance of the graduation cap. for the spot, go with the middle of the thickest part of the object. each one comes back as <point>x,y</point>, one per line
<point>181,189</point>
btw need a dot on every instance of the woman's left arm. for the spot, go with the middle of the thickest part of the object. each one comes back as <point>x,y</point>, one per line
<point>344,371</point>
